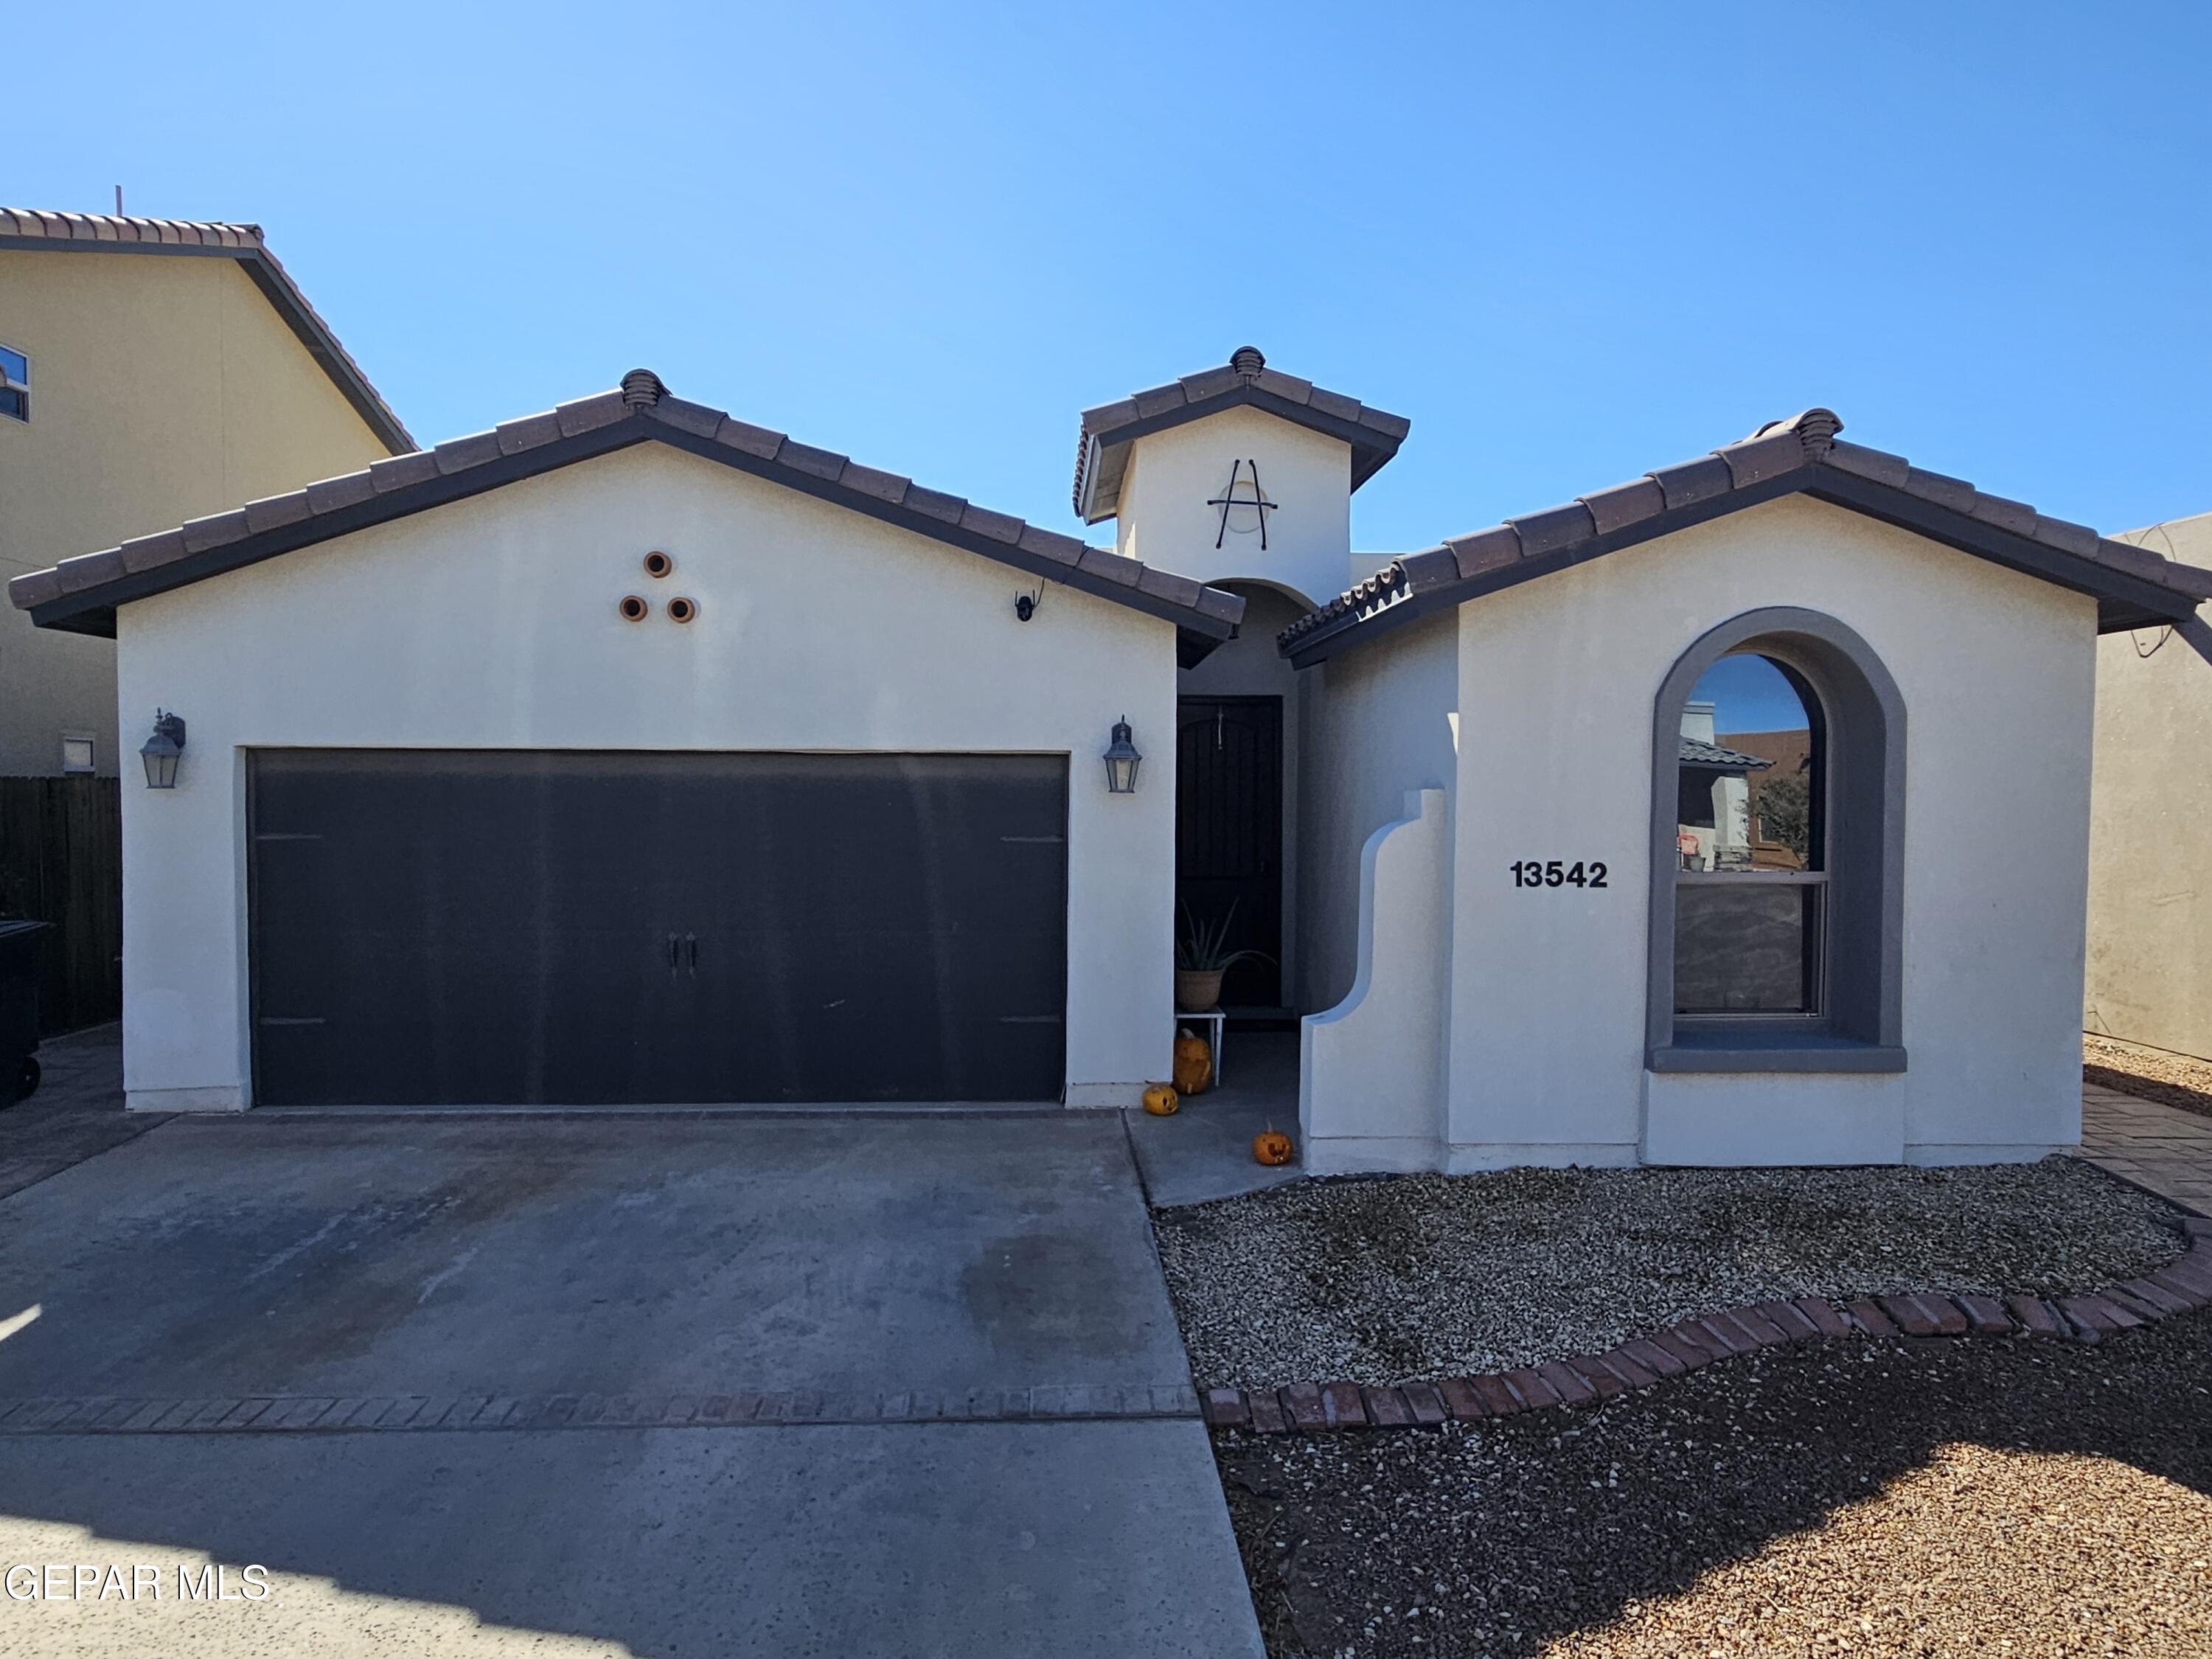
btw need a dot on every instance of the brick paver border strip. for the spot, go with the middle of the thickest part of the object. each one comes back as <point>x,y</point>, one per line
<point>266,1414</point>
<point>2184,1285</point>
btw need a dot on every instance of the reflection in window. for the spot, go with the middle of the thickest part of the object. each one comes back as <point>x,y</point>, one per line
<point>1751,889</point>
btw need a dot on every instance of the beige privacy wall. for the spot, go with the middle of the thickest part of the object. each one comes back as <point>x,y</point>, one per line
<point>163,387</point>
<point>2151,839</point>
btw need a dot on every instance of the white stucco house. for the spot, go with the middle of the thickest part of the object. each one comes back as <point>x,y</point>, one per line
<point>632,753</point>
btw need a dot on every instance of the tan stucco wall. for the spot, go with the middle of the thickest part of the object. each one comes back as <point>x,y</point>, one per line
<point>163,387</point>
<point>2150,829</point>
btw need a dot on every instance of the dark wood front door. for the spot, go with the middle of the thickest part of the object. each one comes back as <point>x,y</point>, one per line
<point>1229,834</point>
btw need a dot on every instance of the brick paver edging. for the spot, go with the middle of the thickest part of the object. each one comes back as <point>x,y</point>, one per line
<point>2184,1285</point>
<point>300,1413</point>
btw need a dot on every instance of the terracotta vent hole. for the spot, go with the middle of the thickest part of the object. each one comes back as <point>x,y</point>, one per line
<point>632,608</point>
<point>682,610</point>
<point>659,564</point>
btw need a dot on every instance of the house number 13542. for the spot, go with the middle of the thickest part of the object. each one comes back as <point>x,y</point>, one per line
<point>1555,873</point>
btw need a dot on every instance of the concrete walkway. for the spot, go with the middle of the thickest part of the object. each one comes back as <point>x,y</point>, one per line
<point>1205,1150</point>
<point>2153,1144</point>
<point>641,1384</point>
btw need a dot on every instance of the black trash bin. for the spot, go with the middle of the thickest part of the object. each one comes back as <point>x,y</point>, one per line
<point>19,1008</point>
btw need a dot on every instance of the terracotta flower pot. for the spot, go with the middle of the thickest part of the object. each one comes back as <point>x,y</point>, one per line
<point>1198,990</point>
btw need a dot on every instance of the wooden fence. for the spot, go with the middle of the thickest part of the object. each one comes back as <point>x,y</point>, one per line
<point>61,860</point>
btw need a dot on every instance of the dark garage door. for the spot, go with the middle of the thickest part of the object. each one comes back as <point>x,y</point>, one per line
<point>523,927</point>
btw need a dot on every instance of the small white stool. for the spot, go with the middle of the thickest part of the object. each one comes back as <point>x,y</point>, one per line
<point>1219,1020</point>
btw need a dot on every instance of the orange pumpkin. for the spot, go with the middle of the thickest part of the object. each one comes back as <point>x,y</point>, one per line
<point>1193,1064</point>
<point>1273,1148</point>
<point>1161,1101</point>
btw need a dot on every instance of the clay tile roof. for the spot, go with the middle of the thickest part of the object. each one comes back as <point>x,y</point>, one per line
<point>33,230</point>
<point>1696,751</point>
<point>81,594</point>
<point>1803,453</point>
<point>1102,445</point>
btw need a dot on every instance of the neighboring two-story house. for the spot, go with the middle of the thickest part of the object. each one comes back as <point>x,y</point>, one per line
<point>2151,839</point>
<point>151,371</point>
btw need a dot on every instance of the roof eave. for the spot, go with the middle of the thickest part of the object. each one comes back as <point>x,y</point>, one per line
<point>278,289</point>
<point>1209,621</point>
<point>1089,507</point>
<point>1106,448</point>
<point>2124,600</point>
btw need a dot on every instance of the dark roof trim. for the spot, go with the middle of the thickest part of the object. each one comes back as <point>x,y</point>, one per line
<point>80,595</point>
<point>2133,586</point>
<point>1246,382</point>
<point>24,231</point>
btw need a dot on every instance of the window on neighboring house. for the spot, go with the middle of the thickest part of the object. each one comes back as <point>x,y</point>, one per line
<point>78,755</point>
<point>1776,918</point>
<point>1751,891</point>
<point>15,385</point>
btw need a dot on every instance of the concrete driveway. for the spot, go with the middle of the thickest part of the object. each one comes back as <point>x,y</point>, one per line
<point>637,1383</point>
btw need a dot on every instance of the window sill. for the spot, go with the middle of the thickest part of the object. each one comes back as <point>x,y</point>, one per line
<point>1773,1051</point>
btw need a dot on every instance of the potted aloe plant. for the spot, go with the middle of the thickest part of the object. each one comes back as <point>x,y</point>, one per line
<point>1202,957</point>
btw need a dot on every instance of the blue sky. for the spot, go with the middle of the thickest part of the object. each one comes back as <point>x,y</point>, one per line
<point>1748,693</point>
<point>1571,243</point>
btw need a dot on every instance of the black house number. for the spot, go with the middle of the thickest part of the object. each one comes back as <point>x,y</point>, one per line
<point>1556,872</point>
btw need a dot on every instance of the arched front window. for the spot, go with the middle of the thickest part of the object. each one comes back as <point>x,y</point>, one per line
<point>1777,848</point>
<point>1751,882</point>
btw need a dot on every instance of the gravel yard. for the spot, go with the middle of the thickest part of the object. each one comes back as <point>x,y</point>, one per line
<point>1924,1498</point>
<point>1384,1280</point>
<point>2149,1073</point>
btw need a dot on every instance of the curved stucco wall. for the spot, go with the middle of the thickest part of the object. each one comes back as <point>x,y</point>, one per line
<point>1380,724</point>
<point>1370,1070</point>
<point>491,622</point>
<point>1557,678</point>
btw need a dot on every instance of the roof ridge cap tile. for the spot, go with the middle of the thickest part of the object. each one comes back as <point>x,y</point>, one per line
<point>685,415</point>
<point>469,449</point>
<point>1159,400</point>
<point>1754,460</point>
<point>525,433</point>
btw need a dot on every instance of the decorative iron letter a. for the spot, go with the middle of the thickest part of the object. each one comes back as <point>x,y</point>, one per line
<point>1243,497</point>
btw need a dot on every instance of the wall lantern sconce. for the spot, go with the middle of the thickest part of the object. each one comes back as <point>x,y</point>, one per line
<point>162,750</point>
<point>1121,761</point>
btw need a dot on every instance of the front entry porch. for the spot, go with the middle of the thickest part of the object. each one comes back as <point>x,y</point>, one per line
<point>1238,831</point>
